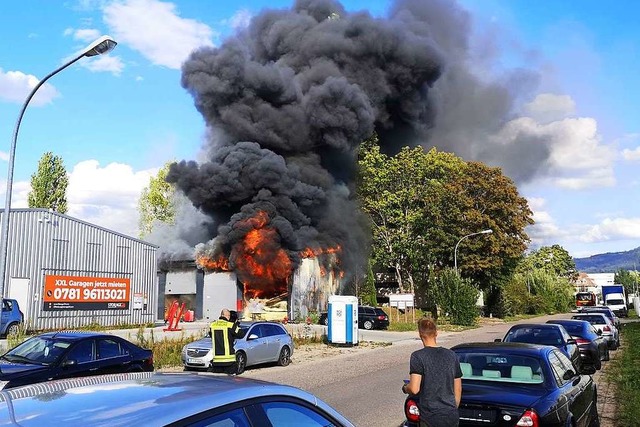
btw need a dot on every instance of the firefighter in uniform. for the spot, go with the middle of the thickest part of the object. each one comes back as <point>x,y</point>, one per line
<point>223,332</point>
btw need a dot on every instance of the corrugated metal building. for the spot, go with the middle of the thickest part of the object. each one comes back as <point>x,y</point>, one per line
<point>67,273</point>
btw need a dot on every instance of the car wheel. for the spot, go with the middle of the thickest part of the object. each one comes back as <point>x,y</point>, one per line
<point>241,362</point>
<point>285,356</point>
<point>368,324</point>
<point>607,356</point>
<point>13,330</point>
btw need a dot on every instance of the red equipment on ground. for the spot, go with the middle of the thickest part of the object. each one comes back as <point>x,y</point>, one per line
<point>175,313</point>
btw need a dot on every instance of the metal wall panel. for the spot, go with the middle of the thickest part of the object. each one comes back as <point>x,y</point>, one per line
<point>220,291</point>
<point>48,243</point>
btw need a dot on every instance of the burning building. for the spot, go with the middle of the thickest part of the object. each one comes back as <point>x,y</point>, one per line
<point>287,101</point>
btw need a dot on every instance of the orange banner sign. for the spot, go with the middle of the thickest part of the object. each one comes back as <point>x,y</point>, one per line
<point>85,293</point>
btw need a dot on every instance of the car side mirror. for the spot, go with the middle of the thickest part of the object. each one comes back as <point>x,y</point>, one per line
<point>497,340</point>
<point>69,362</point>
<point>252,337</point>
<point>599,332</point>
<point>572,341</point>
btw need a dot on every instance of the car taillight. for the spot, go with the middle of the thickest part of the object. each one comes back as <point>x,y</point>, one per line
<point>381,317</point>
<point>529,419</point>
<point>411,411</point>
<point>582,341</point>
<point>606,328</point>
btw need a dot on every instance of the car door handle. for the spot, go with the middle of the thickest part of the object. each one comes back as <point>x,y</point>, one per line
<point>93,369</point>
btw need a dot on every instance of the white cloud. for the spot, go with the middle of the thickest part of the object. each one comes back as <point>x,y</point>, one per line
<point>19,193</point>
<point>631,155</point>
<point>577,157</point>
<point>84,34</point>
<point>15,86</point>
<point>545,229</point>
<point>240,19</point>
<point>107,196</point>
<point>108,63</point>
<point>155,29</point>
<point>4,156</point>
<point>613,229</point>
<point>548,107</point>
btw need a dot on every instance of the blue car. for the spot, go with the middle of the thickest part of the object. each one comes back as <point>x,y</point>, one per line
<point>516,384</point>
<point>153,399</point>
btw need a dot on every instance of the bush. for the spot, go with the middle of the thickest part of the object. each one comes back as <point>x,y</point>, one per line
<point>457,297</point>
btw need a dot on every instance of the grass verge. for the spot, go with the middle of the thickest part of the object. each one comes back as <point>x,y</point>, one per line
<point>625,374</point>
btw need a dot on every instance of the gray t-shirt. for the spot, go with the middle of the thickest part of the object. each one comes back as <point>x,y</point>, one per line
<point>439,367</point>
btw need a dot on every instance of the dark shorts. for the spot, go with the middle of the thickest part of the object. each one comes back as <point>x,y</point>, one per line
<point>441,419</point>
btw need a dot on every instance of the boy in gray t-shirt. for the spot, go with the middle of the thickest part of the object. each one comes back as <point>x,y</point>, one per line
<point>435,377</point>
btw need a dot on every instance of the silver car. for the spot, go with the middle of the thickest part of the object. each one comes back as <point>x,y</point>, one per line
<point>604,325</point>
<point>153,399</point>
<point>262,342</point>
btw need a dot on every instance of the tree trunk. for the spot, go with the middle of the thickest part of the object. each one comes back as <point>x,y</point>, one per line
<point>398,272</point>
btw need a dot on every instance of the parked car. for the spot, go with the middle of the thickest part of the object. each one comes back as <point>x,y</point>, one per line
<point>261,342</point>
<point>155,399</point>
<point>11,318</point>
<point>602,323</point>
<point>604,310</point>
<point>592,345</point>
<point>368,318</point>
<point>546,334</point>
<point>71,354</point>
<point>516,384</point>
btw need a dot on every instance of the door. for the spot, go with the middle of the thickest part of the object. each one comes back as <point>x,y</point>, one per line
<point>84,364</point>
<point>257,348</point>
<point>112,358</point>
<point>19,291</point>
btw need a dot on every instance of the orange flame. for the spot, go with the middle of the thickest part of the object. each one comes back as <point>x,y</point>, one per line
<point>311,252</point>
<point>220,264</point>
<point>261,263</point>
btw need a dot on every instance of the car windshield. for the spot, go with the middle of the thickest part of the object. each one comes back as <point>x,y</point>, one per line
<point>615,301</point>
<point>380,312</point>
<point>37,350</point>
<point>503,368</point>
<point>544,336</point>
<point>594,320</point>
<point>572,328</point>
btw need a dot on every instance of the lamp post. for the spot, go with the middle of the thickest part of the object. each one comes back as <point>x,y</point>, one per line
<point>455,251</point>
<point>102,45</point>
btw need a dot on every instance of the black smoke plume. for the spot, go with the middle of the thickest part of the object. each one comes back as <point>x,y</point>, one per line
<point>289,99</point>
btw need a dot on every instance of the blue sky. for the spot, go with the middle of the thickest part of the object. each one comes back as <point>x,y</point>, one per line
<point>117,118</point>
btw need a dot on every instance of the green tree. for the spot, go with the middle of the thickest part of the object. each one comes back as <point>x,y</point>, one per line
<point>420,204</point>
<point>157,201</point>
<point>457,297</point>
<point>554,260</point>
<point>627,278</point>
<point>49,184</point>
<point>368,293</point>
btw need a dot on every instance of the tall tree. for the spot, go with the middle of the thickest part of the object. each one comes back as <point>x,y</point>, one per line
<point>421,203</point>
<point>555,260</point>
<point>156,201</point>
<point>49,184</point>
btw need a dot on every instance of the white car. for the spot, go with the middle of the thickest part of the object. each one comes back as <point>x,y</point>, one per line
<point>262,342</point>
<point>604,325</point>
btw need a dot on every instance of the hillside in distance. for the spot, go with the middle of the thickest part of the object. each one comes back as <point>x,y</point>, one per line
<point>610,262</point>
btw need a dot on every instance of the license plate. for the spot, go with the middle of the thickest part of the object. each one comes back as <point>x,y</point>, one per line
<point>194,360</point>
<point>477,415</point>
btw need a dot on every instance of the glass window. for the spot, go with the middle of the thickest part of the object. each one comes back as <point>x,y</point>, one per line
<point>288,414</point>
<point>82,352</point>
<point>235,418</point>
<point>276,330</point>
<point>556,367</point>
<point>257,330</point>
<point>566,363</point>
<point>108,348</point>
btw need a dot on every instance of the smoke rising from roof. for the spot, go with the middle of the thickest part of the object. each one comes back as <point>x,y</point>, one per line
<point>292,96</point>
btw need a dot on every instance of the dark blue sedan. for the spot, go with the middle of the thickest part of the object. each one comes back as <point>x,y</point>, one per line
<point>509,384</point>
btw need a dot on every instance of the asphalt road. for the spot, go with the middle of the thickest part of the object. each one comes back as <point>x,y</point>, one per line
<point>365,387</point>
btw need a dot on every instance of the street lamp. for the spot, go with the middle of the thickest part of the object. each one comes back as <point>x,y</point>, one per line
<point>102,45</point>
<point>455,251</point>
